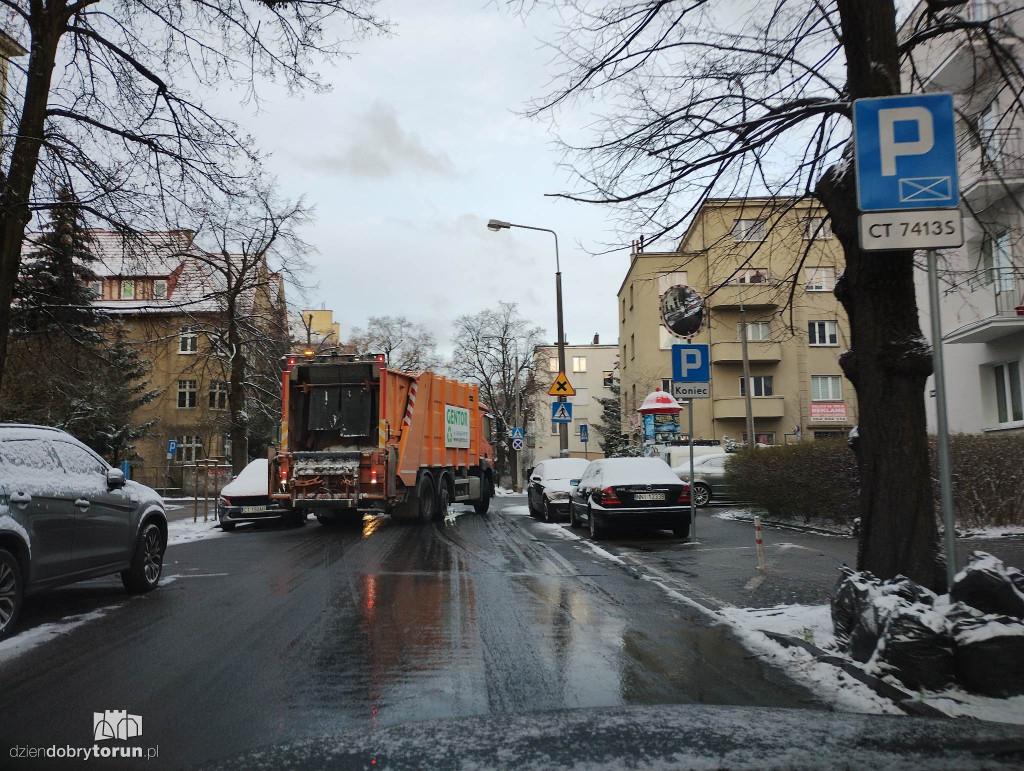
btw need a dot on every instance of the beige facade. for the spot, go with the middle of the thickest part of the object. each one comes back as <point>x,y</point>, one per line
<point>591,370</point>
<point>754,249</point>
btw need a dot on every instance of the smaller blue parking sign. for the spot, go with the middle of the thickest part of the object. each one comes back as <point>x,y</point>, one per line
<point>172,446</point>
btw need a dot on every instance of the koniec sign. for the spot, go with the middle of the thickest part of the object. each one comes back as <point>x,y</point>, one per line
<point>828,412</point>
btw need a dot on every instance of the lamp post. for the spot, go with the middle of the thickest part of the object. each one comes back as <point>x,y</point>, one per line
<point>496,225</point>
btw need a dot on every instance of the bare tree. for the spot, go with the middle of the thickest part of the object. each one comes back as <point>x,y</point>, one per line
<point>408,346</point>
<point>735,99</point>
<point>102,108</point>
<point>487,345</point>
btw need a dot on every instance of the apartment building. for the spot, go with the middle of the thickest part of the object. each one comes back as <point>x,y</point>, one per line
<point>170,303</point>
<point>982,283</point>
<point>779,261</point>
<point>592,369</point>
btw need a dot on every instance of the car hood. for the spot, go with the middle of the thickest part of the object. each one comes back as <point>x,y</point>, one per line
<point>145,495</point>
<point>557,486</point>
<point>670,736</point>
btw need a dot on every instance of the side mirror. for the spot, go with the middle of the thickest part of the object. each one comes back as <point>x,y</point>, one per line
<point>574,483</point>
<point>115,478</point>
<point>536,479</point>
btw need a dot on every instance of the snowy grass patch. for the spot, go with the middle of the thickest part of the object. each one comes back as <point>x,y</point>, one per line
<point>186,531</point>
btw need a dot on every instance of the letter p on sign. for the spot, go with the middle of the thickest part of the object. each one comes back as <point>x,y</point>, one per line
<point>890,147</point>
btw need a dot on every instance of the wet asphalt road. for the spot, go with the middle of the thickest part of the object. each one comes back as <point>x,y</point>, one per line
<point>270,634</point>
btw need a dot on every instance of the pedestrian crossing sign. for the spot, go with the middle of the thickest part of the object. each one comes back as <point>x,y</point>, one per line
<point>561,412</point>
<point>561,386</point>
<point>515,433</point>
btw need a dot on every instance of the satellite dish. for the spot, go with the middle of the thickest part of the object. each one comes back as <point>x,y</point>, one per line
<point>682,311</point>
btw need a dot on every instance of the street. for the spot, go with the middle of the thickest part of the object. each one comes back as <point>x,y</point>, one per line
<point>269,634</point>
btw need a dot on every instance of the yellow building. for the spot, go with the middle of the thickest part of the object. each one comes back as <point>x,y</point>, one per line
<point>781,259</point>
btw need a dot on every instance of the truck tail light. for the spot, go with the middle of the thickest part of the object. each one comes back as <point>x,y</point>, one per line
<point>608,496</point>
<point>373,476</point>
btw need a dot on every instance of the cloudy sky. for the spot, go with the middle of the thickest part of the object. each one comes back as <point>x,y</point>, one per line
<point>410,154</point>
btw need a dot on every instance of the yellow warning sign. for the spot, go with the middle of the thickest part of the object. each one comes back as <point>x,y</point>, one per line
<point>561,386</point>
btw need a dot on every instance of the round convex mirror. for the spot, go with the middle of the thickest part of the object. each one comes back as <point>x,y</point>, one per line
<point>682,311</point>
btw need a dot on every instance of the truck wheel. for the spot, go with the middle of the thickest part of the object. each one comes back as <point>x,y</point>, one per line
<point>328,520</point>
<point>443,500</point>
<point>481,506</point>
<point>486,493</point>
<point>425,493</point>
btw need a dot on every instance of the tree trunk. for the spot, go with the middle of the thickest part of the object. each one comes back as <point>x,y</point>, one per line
<point>236,388</point>
<point>46,27</point>
<point>889,362</point>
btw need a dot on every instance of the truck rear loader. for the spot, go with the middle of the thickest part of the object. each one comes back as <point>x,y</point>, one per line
<point>357,437</point>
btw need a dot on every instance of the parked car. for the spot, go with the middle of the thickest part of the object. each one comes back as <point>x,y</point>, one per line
<point>246,498</point>
<point>708,478</point>
<point>633,492</point>
<point>66,516</point>
<point>547,495</point>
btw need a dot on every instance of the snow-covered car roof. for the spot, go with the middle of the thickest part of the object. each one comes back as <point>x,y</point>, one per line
<point>253,480</point>
<point>564,468</point>
<point>632,471</point>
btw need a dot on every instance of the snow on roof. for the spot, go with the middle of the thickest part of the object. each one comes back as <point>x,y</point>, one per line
<point>632,471</point>
<point>564,468</point>
<point>253,480</point>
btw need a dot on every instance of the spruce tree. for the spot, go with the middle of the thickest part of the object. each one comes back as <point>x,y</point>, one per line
<point>614,444</point>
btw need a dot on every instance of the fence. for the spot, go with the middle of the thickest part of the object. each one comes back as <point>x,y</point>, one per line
<point>178,479</point>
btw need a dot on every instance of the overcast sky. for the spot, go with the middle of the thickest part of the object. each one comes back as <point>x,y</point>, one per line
<point>415,148</point>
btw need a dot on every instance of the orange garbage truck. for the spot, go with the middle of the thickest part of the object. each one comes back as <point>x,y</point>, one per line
<point>357,437</point>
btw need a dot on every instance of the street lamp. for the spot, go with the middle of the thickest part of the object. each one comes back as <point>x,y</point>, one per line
<point>496,225</point>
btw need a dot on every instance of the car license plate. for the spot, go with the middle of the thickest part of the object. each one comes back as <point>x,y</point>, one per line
<point>253,509</point>
<point>649,497</point>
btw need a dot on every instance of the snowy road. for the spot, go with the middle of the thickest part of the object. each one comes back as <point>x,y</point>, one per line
<point>270,634</point>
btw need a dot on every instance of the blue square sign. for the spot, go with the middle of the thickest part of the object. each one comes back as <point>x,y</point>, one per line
<point>561,412</point>
<point>691,363</point>
<point>905,152</point>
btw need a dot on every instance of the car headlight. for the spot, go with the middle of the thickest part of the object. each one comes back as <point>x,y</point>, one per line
<point>557,496</point>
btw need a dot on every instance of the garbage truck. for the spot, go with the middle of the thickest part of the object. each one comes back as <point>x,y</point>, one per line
<point>357,437</point>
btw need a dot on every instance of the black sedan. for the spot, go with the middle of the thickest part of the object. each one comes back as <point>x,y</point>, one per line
<point>547,495</point>
<point>631,492</point>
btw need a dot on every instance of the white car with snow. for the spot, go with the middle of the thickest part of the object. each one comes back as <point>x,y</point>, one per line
<point>66,516</point>
<point>246,498</point>
<point>547,495</point>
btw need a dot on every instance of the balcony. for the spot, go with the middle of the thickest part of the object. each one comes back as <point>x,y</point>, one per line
<point>761,406</point>
<point>755,296</point>
<point>992,168</point>
<point>732,353</point>
<point>1008,296</point>
<point>969,59</point>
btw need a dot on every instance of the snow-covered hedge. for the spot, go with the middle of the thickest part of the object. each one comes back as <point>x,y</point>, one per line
<point>818,480</point>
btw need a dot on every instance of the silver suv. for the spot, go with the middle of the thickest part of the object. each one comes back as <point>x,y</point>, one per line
<point>66,515</point>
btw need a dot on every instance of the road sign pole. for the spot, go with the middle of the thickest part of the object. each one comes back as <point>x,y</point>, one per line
<point>693,503</point>
<point>945,475</point>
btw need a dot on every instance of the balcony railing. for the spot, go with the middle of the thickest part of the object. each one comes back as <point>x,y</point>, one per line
<point>1009,292</point>
<point>991,165</point>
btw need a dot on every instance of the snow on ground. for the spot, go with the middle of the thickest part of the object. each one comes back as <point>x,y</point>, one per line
<point>1001,531</point>
<point>186,531</point>
<point>821,526</point>
<point>31,638</point>
<point>504,491</point>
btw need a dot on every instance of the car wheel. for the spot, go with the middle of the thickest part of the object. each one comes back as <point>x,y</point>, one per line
<point>546,511</point>
<point>425,494</point>
<point>147,561</point>
<point>596,531</point>
<point>573,522</point>
<point>701,494</point>
<point>227,526</point>
<point>12,591</point>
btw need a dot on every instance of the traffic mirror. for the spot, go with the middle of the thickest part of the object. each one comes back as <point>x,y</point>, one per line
<point>682,311</point>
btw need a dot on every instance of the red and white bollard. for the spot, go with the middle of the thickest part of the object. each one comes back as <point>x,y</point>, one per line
<point>760,543</point>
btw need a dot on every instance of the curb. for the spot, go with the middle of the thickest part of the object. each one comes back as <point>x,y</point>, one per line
<point>782,525</point>
<point>903,699</point>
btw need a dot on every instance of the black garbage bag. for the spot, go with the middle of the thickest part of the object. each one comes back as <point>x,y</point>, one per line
<point>989,586</point>
<point>988,652</point>
<point>908,590</point>
<point>916,647</point>
<point>850,597</point>
<point>871,621</point>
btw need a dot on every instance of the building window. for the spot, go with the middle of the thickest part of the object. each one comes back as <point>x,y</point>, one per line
<point>817,229</point>
<point>127,289</point>
<point>756,331</point>
<point>623,310</point>
<point>666,385</point>
<point>190,449</point>
<point>96,287</point>
<point>218,395</point>
<point>554,427</point>
<point>762,437</point>
<point>749,230</point>
<point>1008,394</point>
<point>188,340</point>
<point>186,393</point>
<point>752,276</point>
<point>631,297</point>
<point>826,388</point>
<point>579,363</point>
<point>668,280</point>
<point>822,279</point>
<point>823,332</point>
<point>160,289</point>
<point>997,262</point>
<point>762,386</point>
<point>623,357</point>
<point>552,364</point>
<point>632,346</point>
<point>607,379</point>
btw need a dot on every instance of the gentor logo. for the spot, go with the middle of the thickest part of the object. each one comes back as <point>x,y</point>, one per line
<point>456,427</point>
<point>115,724</point>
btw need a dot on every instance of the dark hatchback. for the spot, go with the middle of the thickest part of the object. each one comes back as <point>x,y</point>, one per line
<point>631,492</point>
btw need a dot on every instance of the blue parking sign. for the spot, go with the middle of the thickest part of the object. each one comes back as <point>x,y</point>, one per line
<point>691,363</point>
<point>905,152</point>
<point>172,446</point>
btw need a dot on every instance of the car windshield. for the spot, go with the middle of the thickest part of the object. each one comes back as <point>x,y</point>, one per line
<point>496,385</point>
